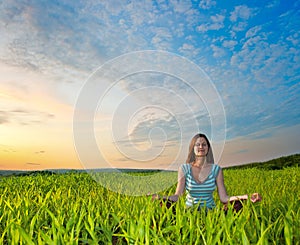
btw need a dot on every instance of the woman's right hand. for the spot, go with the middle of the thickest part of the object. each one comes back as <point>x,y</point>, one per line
<point>173,198</point>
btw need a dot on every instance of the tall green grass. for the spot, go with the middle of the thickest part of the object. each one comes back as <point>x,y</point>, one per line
<point>73,208</point>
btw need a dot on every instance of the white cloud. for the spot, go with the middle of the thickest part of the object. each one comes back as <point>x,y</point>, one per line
<point>216,23</point>
<point>273,4</point>
<point>207,4</point>
<point>181,6</point>
<point>162,38</point>
<point>179,30</point>
<point>114,7</point>
<point>191,18</point>
<point>229,44</point>
<point>294,38</point>
<point>242,12</point>
<point>253,40</point>
<point>189,50</point>
<point>217,51</point>
<point>218,18</point>
<point>253,31</point>
<point>140,12</point>
<point>240,26</point>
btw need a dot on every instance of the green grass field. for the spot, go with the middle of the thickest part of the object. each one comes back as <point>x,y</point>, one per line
<point>73,208</point>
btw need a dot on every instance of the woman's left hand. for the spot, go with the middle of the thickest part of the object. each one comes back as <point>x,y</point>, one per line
<point>155,197</point>
<point>255,197</point>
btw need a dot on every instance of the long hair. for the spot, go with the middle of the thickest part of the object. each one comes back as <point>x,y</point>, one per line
<point>191,155</point>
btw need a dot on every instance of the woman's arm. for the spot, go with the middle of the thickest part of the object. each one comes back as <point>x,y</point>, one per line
<point>222,190</point>
<point>179,189</point>
<point>224,198</point>
<point>180,183</point>
<point>223,194</point>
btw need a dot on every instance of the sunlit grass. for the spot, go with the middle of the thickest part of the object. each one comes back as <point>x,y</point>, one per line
<point>73,208</point>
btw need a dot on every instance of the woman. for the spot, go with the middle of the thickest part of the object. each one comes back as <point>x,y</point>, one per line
<point>200,176</point>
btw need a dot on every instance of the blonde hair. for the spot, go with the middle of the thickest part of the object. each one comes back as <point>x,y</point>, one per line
<point>191,155</point>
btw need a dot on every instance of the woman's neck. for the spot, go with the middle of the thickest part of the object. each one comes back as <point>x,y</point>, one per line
<point>199,161</point>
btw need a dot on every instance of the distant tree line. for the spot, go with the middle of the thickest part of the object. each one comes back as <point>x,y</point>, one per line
<point>274,164</point>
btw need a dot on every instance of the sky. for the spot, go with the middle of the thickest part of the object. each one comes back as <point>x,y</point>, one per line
<point>127,84</point>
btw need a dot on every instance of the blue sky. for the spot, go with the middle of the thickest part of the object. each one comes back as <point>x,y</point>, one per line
<point>249,51</point>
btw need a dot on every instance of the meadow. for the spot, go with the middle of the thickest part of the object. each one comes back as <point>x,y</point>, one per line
<point>73,208</point>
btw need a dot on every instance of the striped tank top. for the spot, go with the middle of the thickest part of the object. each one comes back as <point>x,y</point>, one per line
<point>200,193</point>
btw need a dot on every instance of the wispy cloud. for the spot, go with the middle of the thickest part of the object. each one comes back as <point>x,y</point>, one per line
<point>8,148</point>
<point>24,117</point>
<point>40,152</point>
<point>33,164</point>
<point>3,117</point>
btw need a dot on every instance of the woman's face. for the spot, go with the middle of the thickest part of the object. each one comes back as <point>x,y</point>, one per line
<point>201,147</point>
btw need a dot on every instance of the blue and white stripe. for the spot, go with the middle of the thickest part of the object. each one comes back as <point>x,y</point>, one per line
<point>200,193</point>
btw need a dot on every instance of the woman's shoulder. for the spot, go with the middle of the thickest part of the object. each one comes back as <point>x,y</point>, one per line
<point>185,167</point>
<point>185,164</point>
<point>216,168</point>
